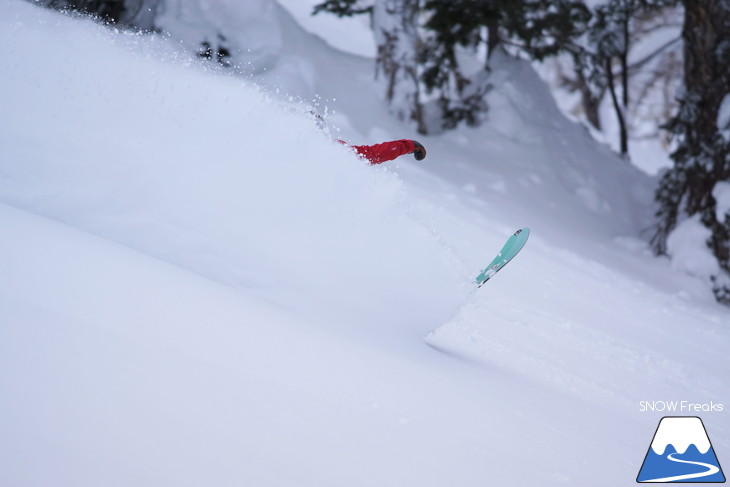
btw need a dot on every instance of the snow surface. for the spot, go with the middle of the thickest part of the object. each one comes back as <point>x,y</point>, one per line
<point>199,287</point>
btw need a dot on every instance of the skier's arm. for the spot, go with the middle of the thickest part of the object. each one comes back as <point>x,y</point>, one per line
<point>387,151</point>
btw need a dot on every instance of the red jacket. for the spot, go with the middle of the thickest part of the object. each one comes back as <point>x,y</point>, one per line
<point>387,151</point>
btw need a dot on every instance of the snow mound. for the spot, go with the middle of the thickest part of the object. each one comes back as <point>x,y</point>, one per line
<point>688,249</point>
<point>208,173</point>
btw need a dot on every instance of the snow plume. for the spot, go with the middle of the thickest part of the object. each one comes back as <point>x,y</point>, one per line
<point>204,172</point>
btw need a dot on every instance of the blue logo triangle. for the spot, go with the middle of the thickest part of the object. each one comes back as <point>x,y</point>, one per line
<point>680,451</point>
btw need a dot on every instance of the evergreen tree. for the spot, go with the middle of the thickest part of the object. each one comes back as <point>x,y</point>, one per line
<point>395,28</point>
<point>702,157</point>
<point>611,35</point>
<point>610,38</point>
<point>598,64</point>
<point>455,28</point>
<point>538,28</point>
<point>344,8</point>
<point>544,28</point>
<point>113,11</point>
<point>432,54</point>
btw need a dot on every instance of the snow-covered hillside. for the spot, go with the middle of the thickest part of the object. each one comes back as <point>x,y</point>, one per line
<point>200,287</point>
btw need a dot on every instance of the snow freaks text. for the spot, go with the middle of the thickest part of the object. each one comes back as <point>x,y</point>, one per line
<point>680,407</point>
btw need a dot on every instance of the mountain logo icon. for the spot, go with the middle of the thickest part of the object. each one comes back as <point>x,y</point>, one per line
<point>681,452</point>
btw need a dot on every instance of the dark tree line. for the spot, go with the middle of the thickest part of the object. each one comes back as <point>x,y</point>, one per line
<point>448,35</point>
<point>599,42</point>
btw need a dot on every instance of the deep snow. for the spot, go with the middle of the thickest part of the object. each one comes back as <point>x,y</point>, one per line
<point>199,287</point>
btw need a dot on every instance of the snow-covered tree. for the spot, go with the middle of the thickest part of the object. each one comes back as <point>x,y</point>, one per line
<point>696,190</point>
<point>434,54</point>
<point>395,25</point>
<point>460,28</point>
<point>610,38</point>
<point>615,27</point>
<point>453,35</point>
<point>629,53</point>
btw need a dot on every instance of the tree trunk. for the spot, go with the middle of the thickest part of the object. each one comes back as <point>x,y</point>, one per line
<point>625,65</point>
<point>590,101</point>
<point>623,135</point>
<point>623,111</point>
<point>706,79</point>
<point>702,158</point>
<point>493,39</point>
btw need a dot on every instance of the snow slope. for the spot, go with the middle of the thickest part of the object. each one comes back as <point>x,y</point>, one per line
<point>199,287</point>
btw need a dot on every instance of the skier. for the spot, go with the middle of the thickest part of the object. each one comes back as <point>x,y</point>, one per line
<point>379,153</point>
<point>387,151</point>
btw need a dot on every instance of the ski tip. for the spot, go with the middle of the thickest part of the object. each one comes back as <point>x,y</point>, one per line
<point>511,248</point>
<point>522,234</point>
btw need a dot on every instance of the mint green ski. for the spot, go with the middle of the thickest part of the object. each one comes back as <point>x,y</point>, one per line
<point>511,248</point>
